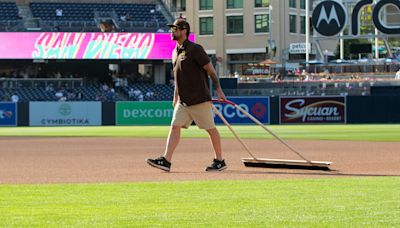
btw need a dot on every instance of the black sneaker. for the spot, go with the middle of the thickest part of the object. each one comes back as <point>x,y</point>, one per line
<point>217,165</point>
<point>160,163</point>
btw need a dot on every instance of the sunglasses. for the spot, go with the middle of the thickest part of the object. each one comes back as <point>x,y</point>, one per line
<point>174,29</point>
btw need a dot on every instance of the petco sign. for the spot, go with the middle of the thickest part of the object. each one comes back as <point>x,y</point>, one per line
<point>298,48</point>
<point>330,17</point>
<point>312,110</point>
<point>8,114</point>
<point>256,106</point>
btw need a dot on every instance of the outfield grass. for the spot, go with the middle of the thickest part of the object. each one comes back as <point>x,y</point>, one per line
<point>378,132</point>
<point>344,202</point>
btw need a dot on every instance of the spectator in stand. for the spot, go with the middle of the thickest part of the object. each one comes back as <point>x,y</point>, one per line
<point>19,15</point>
<point>15,98</point>
<point>60,95</point>
<point>149,95</point>
<point>131,93</point>
<point>397,75</point>
<point>128,17</point>
<point>124,82</point>
<point>79,96</point>
<point>137,93</point>
<point>99,97</point>
<point>147,77</point>
<point>59,12</point>
<point>122,18</point>
<point>24,75</point>
<point>104,87</point>
<point>140,97</point>
<point>111,95</point>
<point>278,77</point>
<point>117,83</point>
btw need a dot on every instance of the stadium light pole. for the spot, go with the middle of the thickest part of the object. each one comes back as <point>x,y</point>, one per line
<point>270,30</point>
<point>341,45</point>
<point>307,32</point>
<point>376,39</point>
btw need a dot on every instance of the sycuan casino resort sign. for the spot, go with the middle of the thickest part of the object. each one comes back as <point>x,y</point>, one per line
<point>329,17</point>
<point>312,110</point>
<point>66,45</point>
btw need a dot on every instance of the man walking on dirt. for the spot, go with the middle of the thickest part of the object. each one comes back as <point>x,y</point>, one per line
<point>192,100</point>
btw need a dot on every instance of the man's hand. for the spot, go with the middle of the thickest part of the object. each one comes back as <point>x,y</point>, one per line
<point>221,95</point>
<point>174,102</point>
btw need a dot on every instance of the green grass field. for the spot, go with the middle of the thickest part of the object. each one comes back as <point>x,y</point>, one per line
<point>319,202</point>
<point>350,202</point>
<point>319,132</point>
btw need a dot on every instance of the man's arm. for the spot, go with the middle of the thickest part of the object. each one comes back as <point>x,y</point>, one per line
<point>176,94</point>
<point>213,75</point>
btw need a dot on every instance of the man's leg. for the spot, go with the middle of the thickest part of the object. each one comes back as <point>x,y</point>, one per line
<point>216,142</point>
<point>181,118</point>
<point>172,142</point>
<point>218,163</point>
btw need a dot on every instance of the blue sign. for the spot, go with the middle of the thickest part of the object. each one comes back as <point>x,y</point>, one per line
<point>8,114</point>
<point>256,106</point>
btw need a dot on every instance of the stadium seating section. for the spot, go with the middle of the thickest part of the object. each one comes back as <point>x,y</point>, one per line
<point>85,11</point>
<point>161,92</point>
<point>90,93</point>
<point>81,16</point>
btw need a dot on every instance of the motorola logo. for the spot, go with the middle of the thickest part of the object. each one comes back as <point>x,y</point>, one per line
<point>329,17</point>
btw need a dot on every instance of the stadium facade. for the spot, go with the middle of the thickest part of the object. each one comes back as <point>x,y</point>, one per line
<point>239,33</point>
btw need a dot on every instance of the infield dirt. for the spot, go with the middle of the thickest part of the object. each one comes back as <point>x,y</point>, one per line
<point>122,159</point>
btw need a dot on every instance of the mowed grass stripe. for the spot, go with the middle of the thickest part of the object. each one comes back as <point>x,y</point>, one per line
<point>378,132</point>
<point>346,202</point>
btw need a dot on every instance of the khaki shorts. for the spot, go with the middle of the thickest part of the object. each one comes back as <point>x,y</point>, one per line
<point>201,114</point>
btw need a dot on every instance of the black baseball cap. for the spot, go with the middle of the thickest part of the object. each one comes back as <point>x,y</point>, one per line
<point>180,24</point>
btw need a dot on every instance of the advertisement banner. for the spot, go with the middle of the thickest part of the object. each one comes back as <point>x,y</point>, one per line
<point>64,113</point>
<point>312,110</point>
<point>160,113</point>
<point>67,45</point>
<point>256,106</point>
<point>8,114</point>
<point>144,113</point>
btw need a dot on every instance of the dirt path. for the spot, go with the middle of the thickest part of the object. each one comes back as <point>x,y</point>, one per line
<point>93,160</point>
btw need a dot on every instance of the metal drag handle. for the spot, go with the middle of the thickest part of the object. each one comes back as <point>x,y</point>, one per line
<point>265,128</point>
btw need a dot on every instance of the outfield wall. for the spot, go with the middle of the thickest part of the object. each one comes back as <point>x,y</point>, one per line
<point>268,110</point>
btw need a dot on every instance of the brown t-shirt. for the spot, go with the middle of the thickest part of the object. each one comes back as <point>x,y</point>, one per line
<point>192,79</point>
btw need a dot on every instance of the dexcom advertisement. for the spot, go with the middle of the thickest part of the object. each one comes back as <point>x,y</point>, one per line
<point>8,114</point>
<point>256,106</point>
<point>64,113</point>
<point>144,113</point>
<point>312,110</point>
<point>160,113</point>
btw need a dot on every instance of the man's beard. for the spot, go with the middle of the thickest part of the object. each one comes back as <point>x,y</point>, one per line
<point>174,37</point>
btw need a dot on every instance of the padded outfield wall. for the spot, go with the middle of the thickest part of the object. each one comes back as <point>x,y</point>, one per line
<point>269,110</point>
